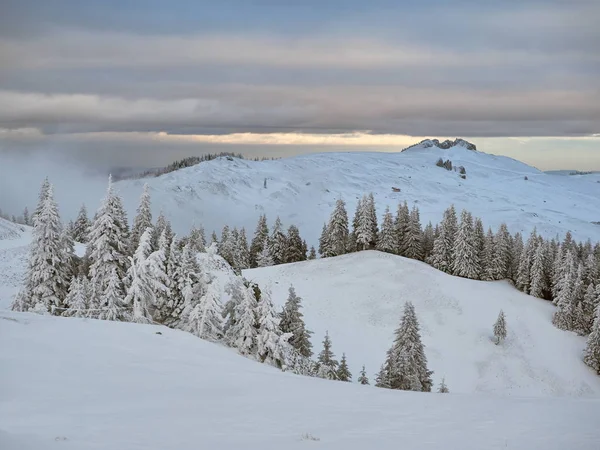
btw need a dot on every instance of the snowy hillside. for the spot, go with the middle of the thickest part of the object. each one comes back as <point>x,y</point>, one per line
<point>10,230</point>
<point>87,384</point>
<point>359,297</point>
<point>303,190</point>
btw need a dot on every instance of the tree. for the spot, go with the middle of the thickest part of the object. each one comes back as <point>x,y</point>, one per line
<point>499,268</point>
<point>265,259</point>
<point>538,279</point>
<point>81,226</point>
<point>479,236</point>
<point>112,304</point>
<point>198,240</point>
<point>261,236</point>
<point>564,315</point>
<point>592,349</point>
<point>337,230</point>
<point>387,238</point>
<point>242,252</point>
<point>162,224</point>
<point>205,318</point>
<point>590,303</point>
<point>49,266</point>
<point>271,342</point>
<point>76,300</point>
<point>143,219</point>
<point>292,321</point>
<point>26,219</point>
<point>465,254</point>
<point>107,247</point>
<point>295,250</point>
<point>278,243</point>
<point>443,389</point>
<point>406,363</point>
<point>500,328</point>
<point>363,379</point>
<point>428,239</point>
<point>324,246</point>
<point>366,226</point>
<point>382,379</point>
<point>401,225</point>
<point>413,238</point>
<point>158,267</point>
<point>326,362</point>
<point>312,254</point>
<point>441,257</point>
<point>243,332</point>
<point>343,373</point>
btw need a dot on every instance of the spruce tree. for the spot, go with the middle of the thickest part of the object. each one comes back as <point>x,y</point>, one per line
<point>261,236</point>
<point>337,230</point>
<point>441,257</point>
<point>158,269</point>
<point>278,243</point>
<point>539,283</point>
<point>226,248</point>
<point>564,316</point>
<point>343,373</point>
<point>205,318</point>
<point>387,238</point>
<point>465,253</point>
<point>242,252</point>
<point>413,238</point>
<point>500,328</point>
<point>324,245</point>
<point>382,379</point>
<point>479,236</point>
<point>592,349</point>
<point>292,321</point>
<point>443,389</point>
<point>406,363</point>
<point>265,259</point>
<point>590,302</point>
<point>26,219</point>
<point>112,303</point>
<point>76,301</point>
<point>363,379</point>
<point>401,226</point>
<point>428,239</point>
<point>366,227</point>
<point>326,363</point>
<point>294,251</point>
<point>516,251</point>
<point>312,254</point>
<point>140,294</point>
<point>271,342</point>
<point>142,220</point>
<point>198,239</point>
<point>243,332</point>
<point>501,256</point>
<point>488,258</point>
<point>81,226</point>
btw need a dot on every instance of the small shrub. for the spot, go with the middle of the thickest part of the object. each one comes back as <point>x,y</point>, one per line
<point>309,437</point>
<point>440,163</point>
<point>462,170</point>
<point>526,178</point>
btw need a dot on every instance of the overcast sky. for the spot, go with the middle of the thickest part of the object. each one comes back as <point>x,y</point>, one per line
<point>140,83</point>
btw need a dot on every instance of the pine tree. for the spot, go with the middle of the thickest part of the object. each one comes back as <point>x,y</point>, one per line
<point>326,362</point>
<point>337,230</point>
<point>479,236</point>
<point>413,238</point>
<point>41,199</point>
<point>525,263</point>
<point>441,257</point>
<point>312,254</point>
<point>26,219</point>
<point>324,245</point>
<point>590,302</point>
<point>443,389</point>
<point>242,252</point>
<point>271,343</point>
<point>49,266</point>
<point>363,379</point>
<point>387,238</point>
<point>142,221</point>
<point>539,283</point>
<point>382,379</point>
<point>171,310</point>
<point>371,210</point>
<point>261,236</point>
<point>81,226</point>
<point>401,225</point>
<point>243,332</point>
<point>158,269</point>
<point>343,373</point>
<point>501,255</point>
<point>278,243</point>
<point>294,251</point>
<point>205,318</point>
<point>198,239</point>
<point>564,316</point>
<point>162,224</point>
<point>76,301</point>
<point>366,227</point>
<point>592,350</point>
<point>112,303</point>
<point>292,322</point>
<point>500,327</point>
<point>465,254</point>
<point>406,363</point>
<point>428,239</point>
<point>226,247</point>
<point>265,259</point>
<point>516,251</point>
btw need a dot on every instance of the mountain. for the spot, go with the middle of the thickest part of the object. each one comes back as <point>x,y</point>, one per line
<point>445,145</point>
<point>358,298</point>
<point>88,384</point>
<point>302,190</point>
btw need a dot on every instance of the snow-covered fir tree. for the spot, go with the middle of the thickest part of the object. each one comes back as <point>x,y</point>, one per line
<point>261,236</point>
<point>271,342</point>
<point>226,246</point>
<point>162,224</point>
<point>382,379</point>
<point>278,243</point>
<point>295,250</point>
<point>401,225</point>
<point>428,239</point>
<point>500,327</point>
<point>538,279</point>
<point>264,258</point>
<point>362,378</point>
<point>142,220</point>
<point>242,333</point>
<point>387,241</point>
<point>326,363</point>
<point>590,303</point>
<point>413,238</point>
<point>366,230</point>
<point>197,239</point>
<point>337,230</point>
<point>488,257</point>
<point>324,247</point>
<point>479,236</point>
<point>516,251</point>
<point>81,226</point>
<point>443,389</point>
<point>158,265</point>
<point>501,258</point>
<point>76,302</point>
<point>406,363</point>
<point>205,319</point>
<point>441,257</point>
<point>241,255</point>
<point>49,266</point>
<point>112,304</point>
<point>292,321</point>
<point>465,253</point>
<point>564,316</point>
<point>26,218</point>
<point>592,349</point>
<point>236,289</point>
<point>312,254</point>
<point>343,373</point>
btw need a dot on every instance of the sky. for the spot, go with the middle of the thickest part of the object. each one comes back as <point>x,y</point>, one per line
<point>141,83</point>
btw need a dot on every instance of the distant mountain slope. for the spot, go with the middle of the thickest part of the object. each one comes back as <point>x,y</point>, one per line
<point>359,298</point>
<point>10,230</point>
<point>302,190</point>
<point>88,384</point>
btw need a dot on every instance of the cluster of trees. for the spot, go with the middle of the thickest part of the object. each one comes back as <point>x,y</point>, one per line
<point>23,219</point>
<point>566,273</point>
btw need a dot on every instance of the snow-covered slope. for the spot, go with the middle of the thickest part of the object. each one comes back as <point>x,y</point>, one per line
<point>14,246</point>
<point>302,190</point>
<point>359,298</point>
<point>10,230</point>
<point>87,384</point>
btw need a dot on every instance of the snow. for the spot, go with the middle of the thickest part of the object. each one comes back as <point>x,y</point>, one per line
<point>302,190</point>
<point>88,384</point>
<point>358,298</point>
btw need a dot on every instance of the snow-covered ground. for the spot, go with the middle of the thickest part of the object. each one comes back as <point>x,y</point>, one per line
<point>302,190</point>
<point>87,384</point>
<point>359,298</point>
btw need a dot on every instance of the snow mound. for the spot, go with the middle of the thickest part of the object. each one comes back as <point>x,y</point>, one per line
<point>359,298</point>
<point>88,384</point>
